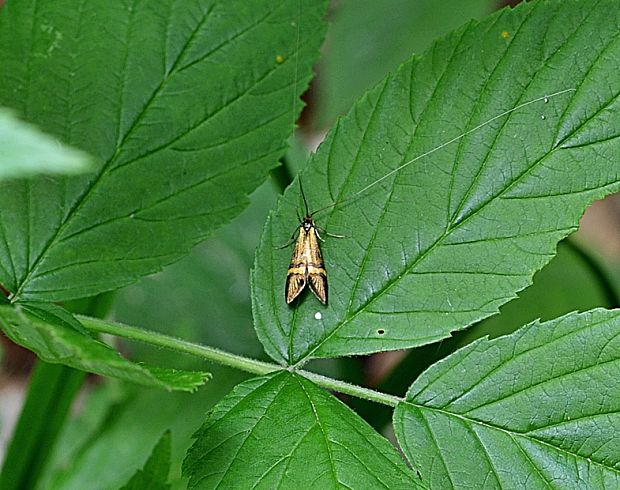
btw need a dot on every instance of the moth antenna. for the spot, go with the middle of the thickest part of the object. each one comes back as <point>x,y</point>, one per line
<point>294,98</point>
<point>304,197</point>
<point>443,145</point>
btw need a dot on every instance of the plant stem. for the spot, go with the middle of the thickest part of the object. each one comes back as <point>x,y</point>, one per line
<point>161,340</point>
<point>228,359</point>
<point>351,389</point>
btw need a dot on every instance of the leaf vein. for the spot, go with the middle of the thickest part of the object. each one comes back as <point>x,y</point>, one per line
<point>531,462</point>
<point>476,106</point>
<point>486,455</point>
<point>439,451</point>
<point>512,434</point>
<point>455,218</point>
<point>514,357</point>
<point>541,383</point>
<point>325,438</point>
<point>585,77</point>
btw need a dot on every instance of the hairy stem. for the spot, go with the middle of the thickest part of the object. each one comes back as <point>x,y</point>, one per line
<point>228,359</point>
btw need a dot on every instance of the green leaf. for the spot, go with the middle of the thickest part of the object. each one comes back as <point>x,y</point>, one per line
<point>26,151</point>
<point>219,270</point>
<point>154,475</point>
<point>536,409</point>
<point>57,340</point>
<point>117,415</point>
<point>445,241</point>
<point>184,114</point>
<point>548,298</point>
<point>281,431</point>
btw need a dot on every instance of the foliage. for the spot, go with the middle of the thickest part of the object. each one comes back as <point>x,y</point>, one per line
<point>526,408</point>
<point>454,179</point>
<point>322,445</point>
<point>477,217</point>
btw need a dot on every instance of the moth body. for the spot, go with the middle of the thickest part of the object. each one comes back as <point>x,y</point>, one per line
<point>307,267</point>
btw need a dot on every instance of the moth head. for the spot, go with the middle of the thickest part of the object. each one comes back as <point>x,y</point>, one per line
<point>307,223</point>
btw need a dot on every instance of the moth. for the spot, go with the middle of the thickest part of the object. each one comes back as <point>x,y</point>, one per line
<point>307,267</point>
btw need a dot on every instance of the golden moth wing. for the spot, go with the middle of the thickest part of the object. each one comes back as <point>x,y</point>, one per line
<point>313,249</point>
<point>296,276</point>
<point>295,284</point>
<point>318,284</point>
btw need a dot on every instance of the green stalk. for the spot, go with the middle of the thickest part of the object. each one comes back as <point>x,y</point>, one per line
<point>228,359</point>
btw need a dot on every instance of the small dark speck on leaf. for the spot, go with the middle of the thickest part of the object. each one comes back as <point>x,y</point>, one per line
<point>380,331</point>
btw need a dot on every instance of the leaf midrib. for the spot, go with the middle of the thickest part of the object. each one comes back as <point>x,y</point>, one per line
<point>543,382</point>
<point>474,347</point>
<point>321,428</point>
<point>352,427</point>
<point>274,387</point>
<point>514,360</point>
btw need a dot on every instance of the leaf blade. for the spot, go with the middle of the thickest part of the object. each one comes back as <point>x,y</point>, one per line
<point>323,445</point>
<point>55,338</point>
<point>448,239</point>
<point>171,170</point>
<point>154,474</point>
<point>527,411</point>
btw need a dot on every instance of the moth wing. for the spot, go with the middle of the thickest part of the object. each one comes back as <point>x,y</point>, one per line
<point>314,249</point>
<point>318,285</point>
<point>296,275</point>
<point>317,277</point>
<point>295,284</point>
